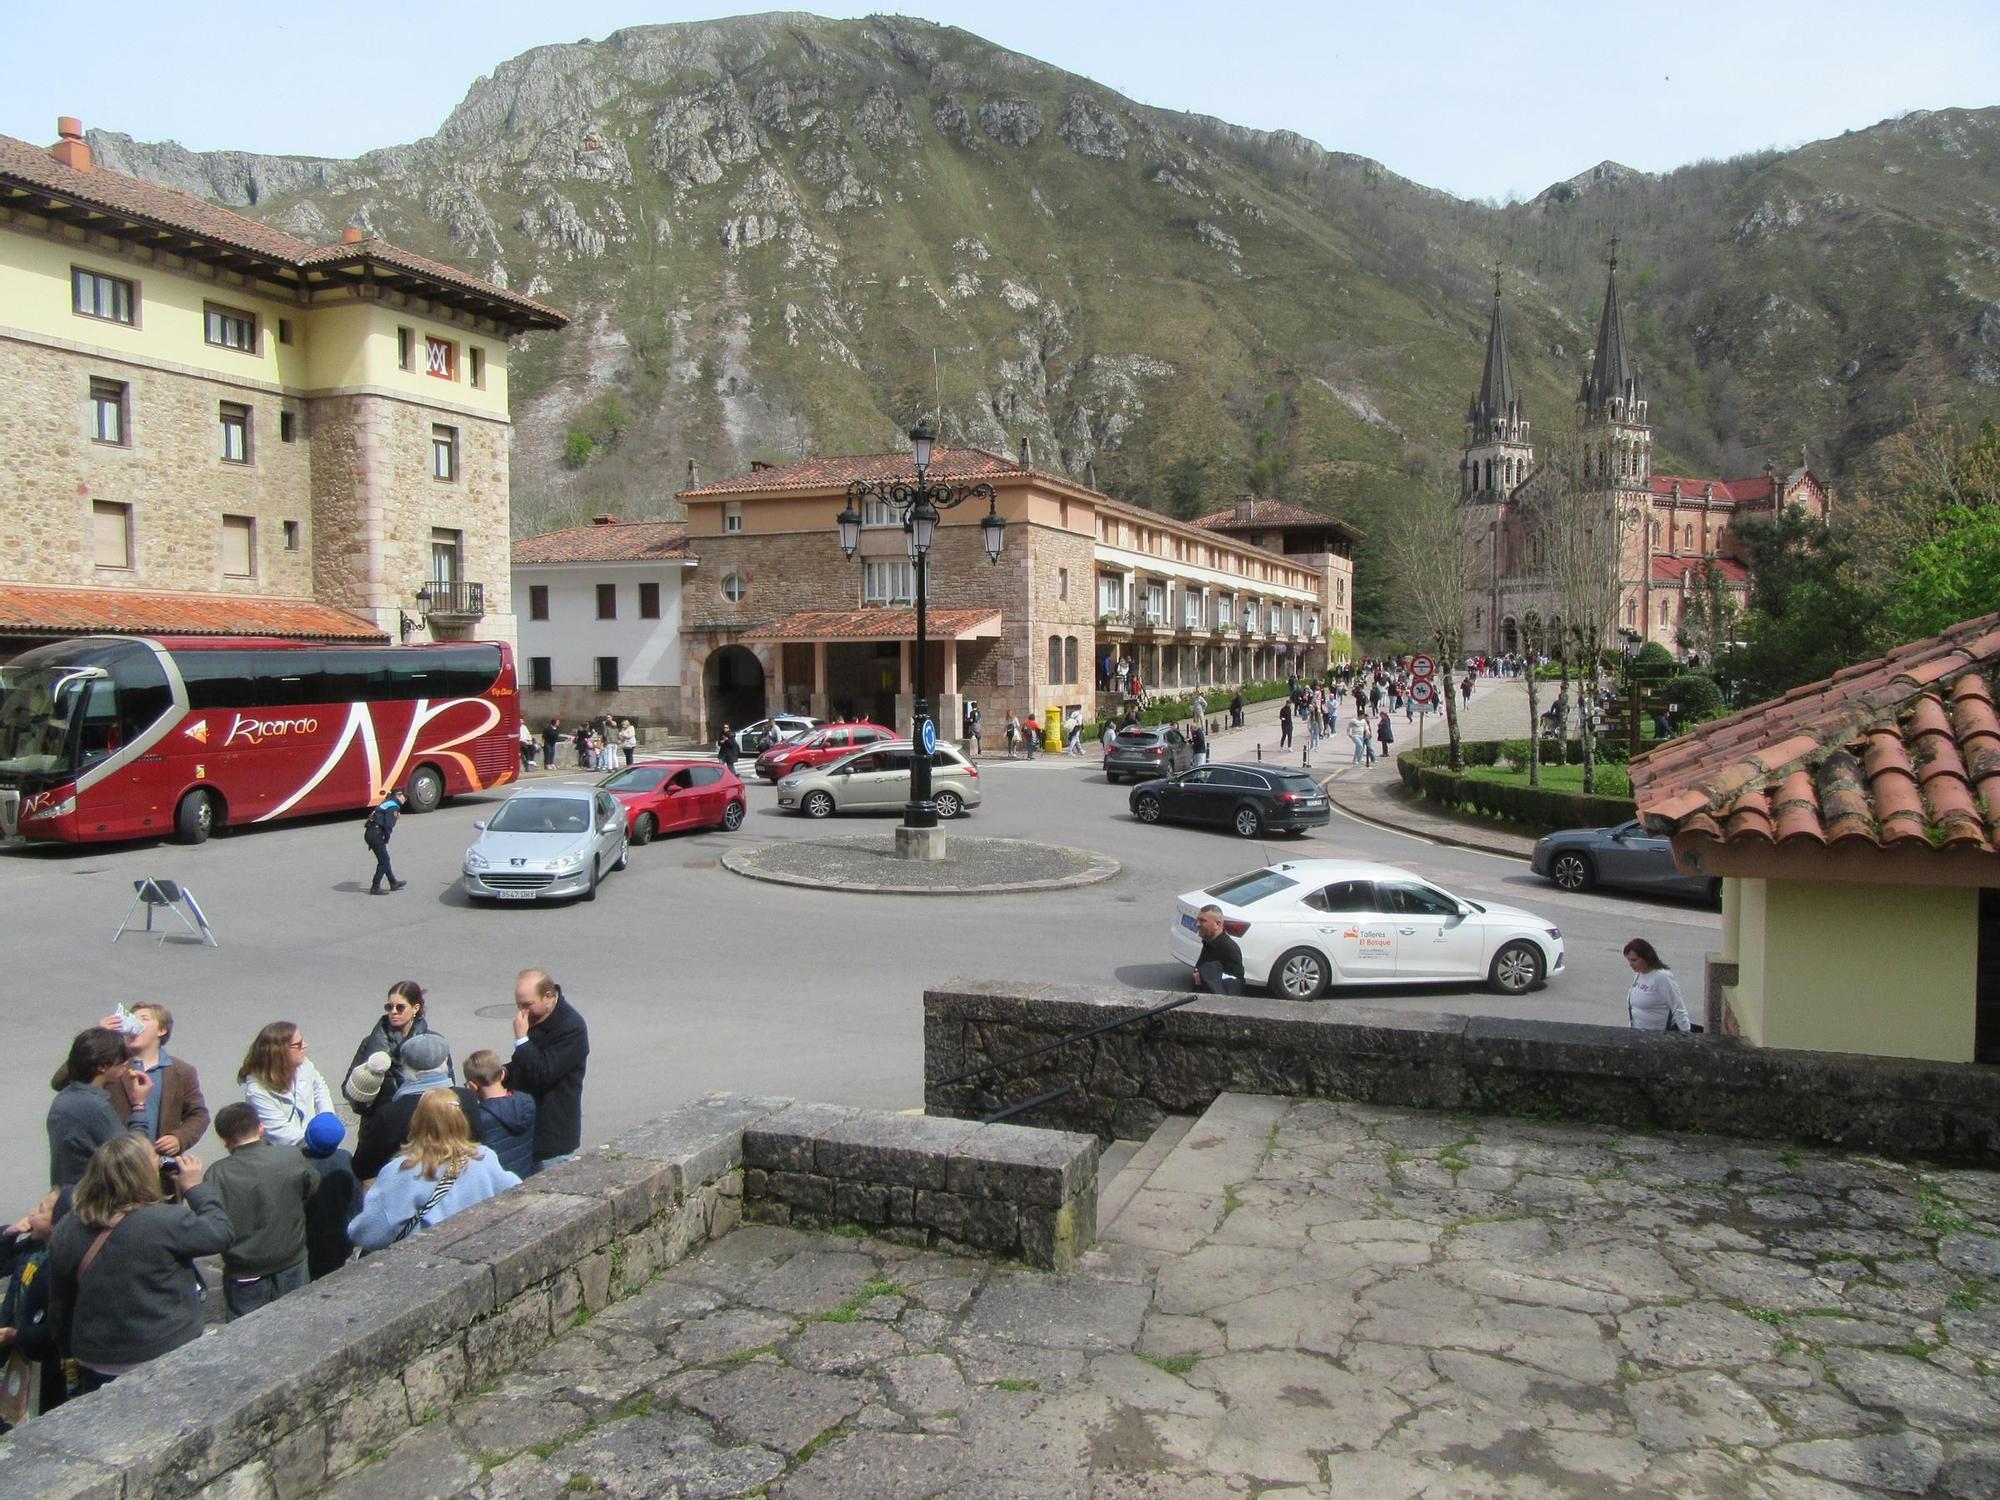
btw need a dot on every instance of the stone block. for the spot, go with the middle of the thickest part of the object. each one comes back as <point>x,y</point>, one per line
<point>370,1419</point>
<point>594,1278</point>
<point>1056,1240</point>
<point>701,1140</point>
<point>785,1141</point>
<point>804,1191</point>
<point>565,1298</point>
<point>992,1225</point>
<point>861,1202</point>
<point>495,1345</point>
<point>687,1226</point>
<point>942,1212</point>
<point>432,1381</point>
<point>28,1472</point>
<point>1023,1164</point>
<point>524,1238</point>
<point>251,1481</point>
<point>908,1150</point>
<point>767,1211</point>
<point>902,1205</point>
<point>635,1187</point>
<point>298,1462</point>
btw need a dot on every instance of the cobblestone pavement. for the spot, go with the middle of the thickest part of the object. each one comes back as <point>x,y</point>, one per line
<point>1309,1300</point>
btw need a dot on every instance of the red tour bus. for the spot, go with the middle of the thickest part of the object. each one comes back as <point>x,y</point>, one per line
<point>118,737</point>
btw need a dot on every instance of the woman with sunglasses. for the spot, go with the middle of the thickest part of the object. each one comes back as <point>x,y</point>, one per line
<point>282,1085</point>
<point>402,1018</point>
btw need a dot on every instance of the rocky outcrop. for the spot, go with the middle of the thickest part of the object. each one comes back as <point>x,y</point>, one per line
<point>883,122</point>
<point>1012,122</point>
<point>1092,130</point>
<point>697,135</point>
<point>951,119</point>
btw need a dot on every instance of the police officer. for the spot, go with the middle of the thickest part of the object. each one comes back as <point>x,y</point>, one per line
<point>381,826</point>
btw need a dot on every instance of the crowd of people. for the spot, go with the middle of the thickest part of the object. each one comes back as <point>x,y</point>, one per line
<point>104,1273</point>
<point>601,744</point>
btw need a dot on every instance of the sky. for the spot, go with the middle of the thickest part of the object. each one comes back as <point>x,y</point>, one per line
<point>1484,101</point>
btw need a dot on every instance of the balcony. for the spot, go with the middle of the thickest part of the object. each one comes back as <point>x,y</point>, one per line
<point>452,603</point>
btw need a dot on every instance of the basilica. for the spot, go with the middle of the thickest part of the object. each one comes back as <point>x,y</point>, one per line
<point>1674,533</point>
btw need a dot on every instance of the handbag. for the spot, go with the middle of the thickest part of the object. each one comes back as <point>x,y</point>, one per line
<point>416,1220</point>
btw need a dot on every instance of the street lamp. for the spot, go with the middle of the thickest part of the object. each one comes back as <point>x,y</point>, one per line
<point>918,506</point>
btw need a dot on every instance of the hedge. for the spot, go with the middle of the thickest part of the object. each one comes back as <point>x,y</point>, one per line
<point>1423,771</point>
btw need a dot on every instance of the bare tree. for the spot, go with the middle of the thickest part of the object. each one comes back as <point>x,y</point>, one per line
<point>1430,558</point>
<point>1531,631</point>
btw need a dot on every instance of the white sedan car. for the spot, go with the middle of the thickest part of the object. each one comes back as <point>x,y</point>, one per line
<point>1308,925</point>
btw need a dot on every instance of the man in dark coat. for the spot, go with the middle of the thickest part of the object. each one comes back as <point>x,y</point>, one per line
<point>382,827</point>
<point>551,1049</point>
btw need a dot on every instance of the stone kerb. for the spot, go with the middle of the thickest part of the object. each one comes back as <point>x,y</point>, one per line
<point>1030,1195</point>
<point>1124,1082</point>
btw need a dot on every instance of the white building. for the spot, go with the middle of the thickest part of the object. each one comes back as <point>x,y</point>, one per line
<point>600,621</point>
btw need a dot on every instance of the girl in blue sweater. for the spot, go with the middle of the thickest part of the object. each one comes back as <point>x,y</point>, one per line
<point>439,1172</point>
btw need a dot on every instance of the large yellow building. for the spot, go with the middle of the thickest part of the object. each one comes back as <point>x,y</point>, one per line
<point>210,426</point>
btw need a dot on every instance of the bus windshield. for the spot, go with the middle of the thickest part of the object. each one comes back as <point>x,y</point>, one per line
<point>39,709</point>
<point>65,707</point>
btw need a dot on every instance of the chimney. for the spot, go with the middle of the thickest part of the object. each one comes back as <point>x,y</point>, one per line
<point>694,475</point>
<point>1027,460</point>
<point>353,235</point>
<point>72,150</point>
<point>1246,509</point>
<point>604,519</point>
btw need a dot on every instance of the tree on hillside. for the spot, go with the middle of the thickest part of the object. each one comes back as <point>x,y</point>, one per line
<point>1431,562</point>
<point>1938,559</point>
<point>1808,615</point>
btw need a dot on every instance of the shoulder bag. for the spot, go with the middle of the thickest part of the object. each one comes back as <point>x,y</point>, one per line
<point>416,1220</point>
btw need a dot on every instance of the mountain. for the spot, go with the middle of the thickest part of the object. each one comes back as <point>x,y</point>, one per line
<point>783,234</point>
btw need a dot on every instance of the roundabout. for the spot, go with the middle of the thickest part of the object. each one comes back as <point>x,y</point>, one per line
<point>869,864</point>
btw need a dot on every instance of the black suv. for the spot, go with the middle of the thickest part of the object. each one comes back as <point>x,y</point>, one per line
<point>1145,751</point>
<point>1252,799</point>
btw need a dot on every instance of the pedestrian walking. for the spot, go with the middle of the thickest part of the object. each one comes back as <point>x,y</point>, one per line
<point>1198,742</point>
<point>1465,688</point>
<point>551,1052</point>
<point>402,1018</point>
<point>1654,1002</point>
<point>264,1190</point>
<point>1364,749</point>
<point>380,828</point>
<point>281,1084</point>
<point>1385,733</point>
<point>1073,731</point>
<point>628,742</point>
<point>1200,706</point>
<point>441,1171</point>
<point>972,748</point>
<point>551,737</point>
<point>139,1251</point>
<point>725,749</point>
<point>1236,710</point>
<point>82,1116</point>
<point>1012,730</point>
<point>1031,733</point>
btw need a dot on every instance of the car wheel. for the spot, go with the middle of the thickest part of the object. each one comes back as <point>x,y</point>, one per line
<point>1517,968</point>
<point>1246,822</point>
<point>590,891</point>
<point>623,855</point>
<point>1300,975</point>
<point>732,817</point>
<point>194,819</point>
<point>949,805</point>
<point>426,790</point>
<point>644,827</point>
<point>818,805</point>
<point>1573,871</point>
<point>1113,778</point>
<point>1147,808</point>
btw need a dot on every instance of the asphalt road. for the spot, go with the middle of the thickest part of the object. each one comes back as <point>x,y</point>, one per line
<point>691,978</point>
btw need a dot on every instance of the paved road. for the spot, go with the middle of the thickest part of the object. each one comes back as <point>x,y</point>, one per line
<point>692,978</point>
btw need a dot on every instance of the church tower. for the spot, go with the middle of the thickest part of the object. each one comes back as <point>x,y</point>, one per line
<point>1497,452</point>
<point>1617,439</point>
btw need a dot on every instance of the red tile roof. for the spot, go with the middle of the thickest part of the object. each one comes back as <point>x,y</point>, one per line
<point>1736,491</point>
<point>1904,750</point>
<point>837,472</point>
<point>1265,514</point>
<point>25,166</point>
<point>30,610</point>
<point>606,541</point>
<point>1669,569</point>
<point>877,625</point>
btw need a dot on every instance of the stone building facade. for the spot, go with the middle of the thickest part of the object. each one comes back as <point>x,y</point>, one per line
<point>206,419</point>
<point>1673,536</point>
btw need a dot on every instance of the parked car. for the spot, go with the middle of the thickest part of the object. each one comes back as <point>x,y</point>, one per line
<point>754,739</point>
<point>547,841</point>
<point>1578,858</point>
<point>1145,751</point>
<point>878,780</point>
<point>1252,799</point>
<point>822,747</point>
<point>664,796</point>
<point>1309,925</point>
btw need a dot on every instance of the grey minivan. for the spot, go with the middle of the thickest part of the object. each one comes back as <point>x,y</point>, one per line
<point>1145,751</point>
<point>546,841</point>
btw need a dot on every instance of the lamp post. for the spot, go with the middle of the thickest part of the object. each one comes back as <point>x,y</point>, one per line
<point>918,506</point>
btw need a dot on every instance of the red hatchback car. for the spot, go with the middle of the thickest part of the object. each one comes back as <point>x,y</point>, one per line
<point>664,796</point>
<point>823,746</point>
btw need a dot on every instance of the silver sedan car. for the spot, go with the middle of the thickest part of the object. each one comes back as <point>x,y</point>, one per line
<point>547,841</point>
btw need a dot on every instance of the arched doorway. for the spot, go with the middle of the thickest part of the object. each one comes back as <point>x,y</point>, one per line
<point>732,682</point>
<point>1510,635</point>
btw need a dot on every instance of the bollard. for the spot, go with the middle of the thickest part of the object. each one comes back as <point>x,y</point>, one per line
<point>1260,750</point>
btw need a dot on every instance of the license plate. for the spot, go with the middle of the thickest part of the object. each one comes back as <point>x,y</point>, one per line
<point>515,895</point>
<point>1313,802</point>
<point>1187,922</point>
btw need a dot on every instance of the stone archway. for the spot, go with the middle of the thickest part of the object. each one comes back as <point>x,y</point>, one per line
<point>732,681</point>
<point>1510,635</point>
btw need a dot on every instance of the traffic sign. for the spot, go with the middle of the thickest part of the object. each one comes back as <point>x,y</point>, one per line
<point>930,737</point>
<point>1423,695</point>
<point>1422,667</point>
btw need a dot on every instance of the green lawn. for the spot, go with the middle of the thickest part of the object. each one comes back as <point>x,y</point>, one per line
<point>1611,780</point>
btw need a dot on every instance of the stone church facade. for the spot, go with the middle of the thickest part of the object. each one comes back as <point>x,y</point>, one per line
<point>1673,532</point>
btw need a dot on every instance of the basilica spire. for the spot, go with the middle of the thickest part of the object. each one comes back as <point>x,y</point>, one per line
<point>1497,404</point>
<point>1497,453</point>
<point>1614,374</point>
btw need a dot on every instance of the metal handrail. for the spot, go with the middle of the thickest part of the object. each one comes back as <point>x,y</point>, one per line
<point>1060,1042</point>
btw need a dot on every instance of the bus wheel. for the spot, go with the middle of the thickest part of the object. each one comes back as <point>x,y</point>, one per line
<point>194,819</point>
<point>426,790</point>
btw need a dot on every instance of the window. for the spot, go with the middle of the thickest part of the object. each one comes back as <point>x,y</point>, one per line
<point>704,775</point>
<point>1156,602</point>
<point>111,534</point>
<point>1111,594</point>
<point>288,427</point>
<point>1069,659</point>
<point>95,295</point>
<point>607,601</point>
<point>878,512</point>
<point>649,601</point>
<point>1407,898</point>
<point>888,581</point>
<point>239,547</point>
<point>235,420</point>
<point>441,358</point>
<point>732,516</point>
<point>107,411</point>
<point>291,536</point>
<point>475,366</point>
<point>284,330</point>
<point>444,451</point>
<point>607,674</point>
<point>1055,660</point>
<point>734,588</point>
<point>406,346</point>
<point>446,548</point>
<point>1062,583</point>
<point>540,674</point>
<point>229,328</point>
<point>538,601</point>
<point>1343,896</point>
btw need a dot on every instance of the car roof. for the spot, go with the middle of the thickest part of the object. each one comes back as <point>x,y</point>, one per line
<point>1343,869</point>
<point>567,789</point>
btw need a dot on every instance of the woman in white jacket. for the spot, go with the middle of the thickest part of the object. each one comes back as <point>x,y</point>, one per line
<point>1654,1002</point>
<point>282,1085</point>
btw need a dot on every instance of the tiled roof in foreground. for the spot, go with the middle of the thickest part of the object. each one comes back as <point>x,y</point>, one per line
<point>30,610</point>
<point>1900,751</point>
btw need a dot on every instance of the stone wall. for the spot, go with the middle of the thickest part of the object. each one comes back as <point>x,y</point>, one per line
<point>1125,1082</point>
<point>277,1404</point>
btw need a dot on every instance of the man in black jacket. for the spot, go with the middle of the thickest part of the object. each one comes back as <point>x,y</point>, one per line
<point>551,1048</point>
